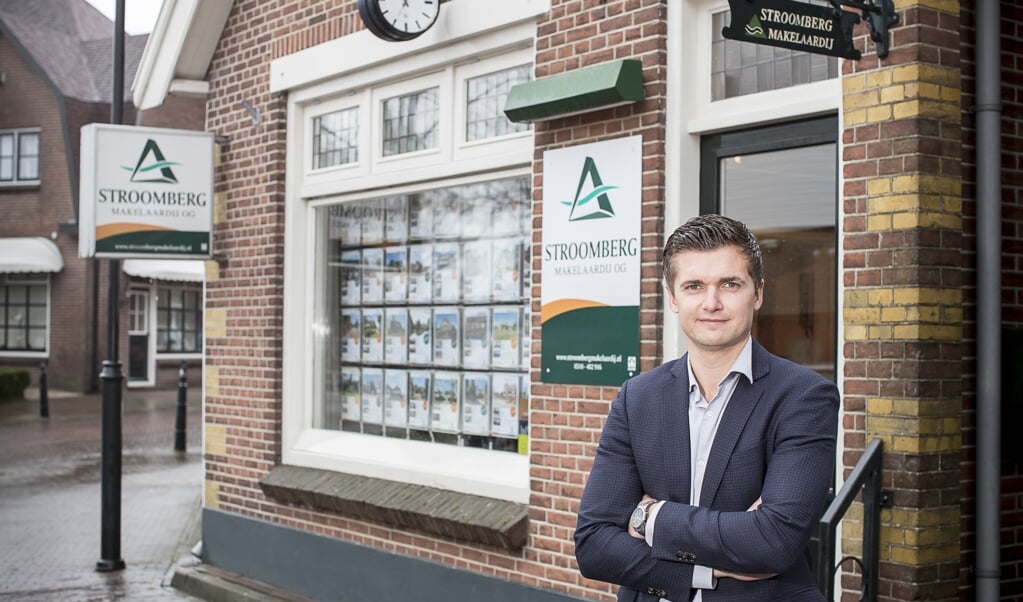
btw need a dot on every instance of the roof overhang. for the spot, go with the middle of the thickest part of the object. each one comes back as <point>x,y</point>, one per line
<point>29,254</point>
<point>179,50</point>
<point>177,270</point>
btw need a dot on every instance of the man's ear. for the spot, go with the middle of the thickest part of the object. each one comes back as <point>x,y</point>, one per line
<point>760,295</point>
<point>671,297</point>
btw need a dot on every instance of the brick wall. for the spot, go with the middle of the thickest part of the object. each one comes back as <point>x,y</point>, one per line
<point>902,270</point>
<point>566,420</point>
<point>1012,286</point>
<point>27,101</point>
<point>244,299</point>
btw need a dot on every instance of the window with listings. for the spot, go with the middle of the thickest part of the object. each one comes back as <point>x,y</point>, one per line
<point>425,302</point>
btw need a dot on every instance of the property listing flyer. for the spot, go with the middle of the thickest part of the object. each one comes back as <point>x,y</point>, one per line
<point>372,395</point>
<point>373,335</point>
<point>420,345</point>
<point>395,335</point>
<point>476,403</point>
<point>351,401</point>
<point>372,222</point>
<point>333,400</point>
<point>444,410</point>
<point>476,271</point>
<point>506,326</point>
<point>396,218</point>
<point>419,399</point>
<point>507,259</point>
<point>476,213</point>
<point>507,219</point>
<point>447,206</point>
<point>446,336</point>
<point>372,275</point>
<point>396,397</point>
<point>420,216</point>
<point>447,281</point>
<point>351,277</point>
<point>351,225</point>
<point>476,337</point>
<point>505,401</point>
<point>351,335</point>
<point>395,266</point>
<point>525,338</point>
<point>420,260</point>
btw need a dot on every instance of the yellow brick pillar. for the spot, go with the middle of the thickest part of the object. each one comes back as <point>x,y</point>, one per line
<point>902,303</point>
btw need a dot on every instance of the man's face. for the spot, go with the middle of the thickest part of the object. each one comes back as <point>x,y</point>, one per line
<point>715,298</point>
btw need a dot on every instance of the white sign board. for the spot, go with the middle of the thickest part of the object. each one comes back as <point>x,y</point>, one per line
<point>592,221</point>
<point>145,192</point>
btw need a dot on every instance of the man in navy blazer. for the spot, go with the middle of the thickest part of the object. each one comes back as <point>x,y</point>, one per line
<point>712,469</point>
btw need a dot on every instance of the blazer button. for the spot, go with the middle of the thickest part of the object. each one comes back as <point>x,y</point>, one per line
<point>685,557</point>
<point>653,591</point>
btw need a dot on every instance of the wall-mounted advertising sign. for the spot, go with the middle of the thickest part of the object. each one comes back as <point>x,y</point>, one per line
<point>591,262</point>
<point>815,28</point>
<point>145,192</point>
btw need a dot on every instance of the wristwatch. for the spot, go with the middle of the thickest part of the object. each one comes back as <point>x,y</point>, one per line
<point>639,516</point>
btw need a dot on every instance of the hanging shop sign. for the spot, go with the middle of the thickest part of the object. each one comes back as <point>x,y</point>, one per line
<point>591,262</point>
<point>814,28</point>
<point>145,192</point>
<point>811,27</point>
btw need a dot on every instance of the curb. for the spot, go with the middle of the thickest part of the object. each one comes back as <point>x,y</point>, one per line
<point>209,583</point>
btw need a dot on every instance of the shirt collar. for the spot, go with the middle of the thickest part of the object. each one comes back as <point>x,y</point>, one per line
<point>742,365</point>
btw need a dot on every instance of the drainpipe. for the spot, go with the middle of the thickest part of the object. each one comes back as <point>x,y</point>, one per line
<point>989,305</point>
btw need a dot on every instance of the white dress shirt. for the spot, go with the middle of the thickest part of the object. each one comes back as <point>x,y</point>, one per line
<point>704,418</point>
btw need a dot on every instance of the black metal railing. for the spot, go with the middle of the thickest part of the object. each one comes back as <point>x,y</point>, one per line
<point>866,475</point>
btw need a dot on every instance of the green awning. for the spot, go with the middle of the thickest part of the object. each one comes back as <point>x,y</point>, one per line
<point>588,89</point>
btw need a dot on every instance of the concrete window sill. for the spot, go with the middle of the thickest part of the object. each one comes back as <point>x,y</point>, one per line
<point>446,513</point>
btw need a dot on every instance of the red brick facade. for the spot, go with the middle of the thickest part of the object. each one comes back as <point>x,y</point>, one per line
<point>907,223</point>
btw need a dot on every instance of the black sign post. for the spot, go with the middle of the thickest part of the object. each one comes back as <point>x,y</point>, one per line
<point>814,28</point>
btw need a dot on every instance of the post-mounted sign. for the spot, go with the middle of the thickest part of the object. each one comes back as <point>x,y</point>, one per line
<point>794,25</point>
<point>145,192</point>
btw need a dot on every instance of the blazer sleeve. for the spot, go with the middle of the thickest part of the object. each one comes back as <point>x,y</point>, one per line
<point>604,549</point>
<point>798,440</point>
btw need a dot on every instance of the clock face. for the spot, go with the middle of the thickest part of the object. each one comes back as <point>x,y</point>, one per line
<point>399,20</point>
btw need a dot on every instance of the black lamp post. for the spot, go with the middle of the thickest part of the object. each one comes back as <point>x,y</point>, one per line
<point>111,375</point>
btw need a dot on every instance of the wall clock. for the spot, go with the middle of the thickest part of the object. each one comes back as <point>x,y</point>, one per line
<point>399,20</point>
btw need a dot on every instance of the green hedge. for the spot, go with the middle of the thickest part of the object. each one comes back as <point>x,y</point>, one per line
<point>13,382</point>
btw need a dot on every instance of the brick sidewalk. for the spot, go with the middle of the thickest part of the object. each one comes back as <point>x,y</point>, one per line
<point>50,474</point>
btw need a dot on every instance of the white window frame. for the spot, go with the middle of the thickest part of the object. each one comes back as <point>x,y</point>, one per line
<point>15,279</point>
<point>346,170</point>
<point>314,79</point>
<point>17,133</point>
<point>154,308</point>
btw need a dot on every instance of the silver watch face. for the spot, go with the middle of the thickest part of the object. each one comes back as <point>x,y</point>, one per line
<point>638,518</point>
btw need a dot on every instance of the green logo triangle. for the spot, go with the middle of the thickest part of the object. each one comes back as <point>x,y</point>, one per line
<point>754,29</point>
<point>603,207</point>
<point>150,159</point>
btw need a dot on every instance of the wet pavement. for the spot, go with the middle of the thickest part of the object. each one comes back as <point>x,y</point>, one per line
<point>50,501</point>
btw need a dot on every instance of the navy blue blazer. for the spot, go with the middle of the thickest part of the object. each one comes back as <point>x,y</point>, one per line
<point>776,441</point>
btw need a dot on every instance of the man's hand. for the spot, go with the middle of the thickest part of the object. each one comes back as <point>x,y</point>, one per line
<point>719,574</point>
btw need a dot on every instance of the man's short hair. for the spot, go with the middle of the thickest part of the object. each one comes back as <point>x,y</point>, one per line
<point>710,232</point>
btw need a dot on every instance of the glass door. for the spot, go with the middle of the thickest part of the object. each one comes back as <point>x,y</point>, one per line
<point>782,181</point>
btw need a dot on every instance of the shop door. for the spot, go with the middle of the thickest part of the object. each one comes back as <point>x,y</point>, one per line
<point>138,336</point>
<point>782,181</point>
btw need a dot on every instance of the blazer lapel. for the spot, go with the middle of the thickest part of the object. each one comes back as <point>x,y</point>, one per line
<point>675,433</point>
<point>740,407</point>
